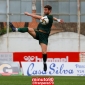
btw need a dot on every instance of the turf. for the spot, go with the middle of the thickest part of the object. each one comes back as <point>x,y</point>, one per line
<point>23,80</point>
<point>15,80</point>
<point>69,80</point>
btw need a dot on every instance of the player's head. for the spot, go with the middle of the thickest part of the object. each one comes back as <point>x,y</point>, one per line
<point>47,9</point>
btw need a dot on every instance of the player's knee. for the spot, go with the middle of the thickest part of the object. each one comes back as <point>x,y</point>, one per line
<point>30,29</point>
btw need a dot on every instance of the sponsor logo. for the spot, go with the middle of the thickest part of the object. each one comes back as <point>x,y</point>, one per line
<point>6,57</point>
<point>80,69</point>
<point>36,59</point>
<point>52,56</point>
<point>82,56</point>
<point>42,81</point>
<point>54,69</point>
<point>7,70</point>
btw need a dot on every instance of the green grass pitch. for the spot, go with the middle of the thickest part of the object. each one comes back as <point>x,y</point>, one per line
<point>25,80</point>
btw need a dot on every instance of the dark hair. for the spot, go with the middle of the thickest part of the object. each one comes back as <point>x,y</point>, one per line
<point>48,6</point>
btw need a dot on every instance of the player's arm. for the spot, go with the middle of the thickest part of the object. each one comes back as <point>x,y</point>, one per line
<point>58,20</point>
<point>33,15</point>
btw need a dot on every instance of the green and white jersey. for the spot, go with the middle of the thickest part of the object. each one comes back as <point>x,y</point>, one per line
<point>47,27</point>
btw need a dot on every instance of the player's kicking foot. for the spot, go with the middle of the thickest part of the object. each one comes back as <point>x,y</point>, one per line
<point>45,67</point>
<point>12,27</point>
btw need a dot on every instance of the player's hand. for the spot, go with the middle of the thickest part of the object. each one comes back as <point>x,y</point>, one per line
<point>61,21</point>
<point>26,13</point>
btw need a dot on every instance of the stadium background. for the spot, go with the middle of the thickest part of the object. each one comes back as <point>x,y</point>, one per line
<point>70,32</point>
<point>68,36</point>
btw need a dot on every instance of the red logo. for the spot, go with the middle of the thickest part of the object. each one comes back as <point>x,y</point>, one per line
<point>30,58</point>
<point>52,56</point>
<point>36,59</point>
<point>42,81</point>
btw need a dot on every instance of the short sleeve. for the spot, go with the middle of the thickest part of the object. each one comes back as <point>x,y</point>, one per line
<point>50,17</point>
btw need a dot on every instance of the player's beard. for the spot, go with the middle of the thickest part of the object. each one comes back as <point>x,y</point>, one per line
<point>46,14</point>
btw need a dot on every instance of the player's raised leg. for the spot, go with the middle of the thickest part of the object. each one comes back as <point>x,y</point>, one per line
<point>44,55</point>
<point>23,30</point>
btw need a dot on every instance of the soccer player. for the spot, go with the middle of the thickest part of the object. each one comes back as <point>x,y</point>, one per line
<point>42,32</point>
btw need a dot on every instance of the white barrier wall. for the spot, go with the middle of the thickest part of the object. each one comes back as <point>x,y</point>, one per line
<point>23,42</point>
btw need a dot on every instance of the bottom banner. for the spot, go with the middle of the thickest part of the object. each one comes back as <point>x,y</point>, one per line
<point>54,69</point>
<point>42,81</point>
